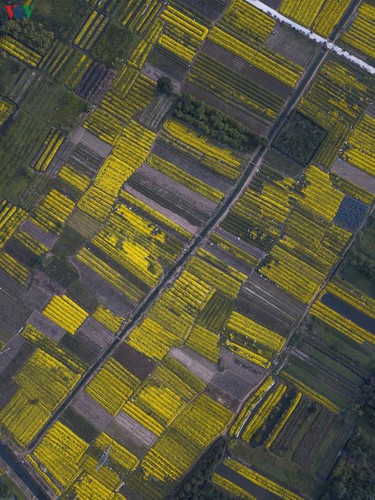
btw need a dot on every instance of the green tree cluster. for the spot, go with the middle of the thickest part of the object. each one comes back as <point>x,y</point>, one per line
<point>165,85</point>
<point>35,35</point>
<point>353,476</point>
<point>367,401</point>
<point>300,138</point>
<point>115,45</point>
<point>196,484</point>
<point>215,124</point>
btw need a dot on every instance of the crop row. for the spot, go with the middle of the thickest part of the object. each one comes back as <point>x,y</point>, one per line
<point>204,342</point>
<point>75,178</point>
<point>137,97</point>
<point>66,313</point>
<point>141,52</point>
<point>112,385</point>
<point>260,480</point>
<point>248,407</point>
<point>11,217</point>
<point>158,401</point>
<point>44,382</point>
<point>232,488</point>
<point>283,420</point>
<point>184,178</point>
<point>14,268</point>
<point>335,100</point>
<point>263,412</point>
<point>245,353</point>
<point>351,189</point>
<point>109,274</point>
<point>221,160</point>
<point>140,250</point>
<point>294,275</point>
<point>260,214</point>
<point>107,477</point>
<point>50,147</point>
<point>6,109</point>
<point>49,346</point>
<point>153,214</point>
<point>19,51</point>
<point>242,325</point>
<point>233,249</point>
<point>322,15</point>
<point>56,58</point>
<point>68,460</point>
<point>59,452</point>
<point>194,429</point>
<point>53,211</point>
<point>315,396</point>
<point>208,73</point>
<point>107,318</point>
<point>355,298</point>
<point>131,150</point>
<point>319,194</point>
<point>182,35</point>
<point>31,243</point>
<point>329,16</point>
<point>361,32</point>
<point>302,11</point>
<point>23,417</point>
<point>246,22</point>
<point>361,150</point>
<point>219,279</point>
<point>344,325</point>
<point>91,30</point>
<point>104,125</point>
<point>260,57</point>
<point>139,15</point>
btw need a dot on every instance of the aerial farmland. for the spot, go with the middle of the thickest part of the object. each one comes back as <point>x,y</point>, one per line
<point>187,249</point>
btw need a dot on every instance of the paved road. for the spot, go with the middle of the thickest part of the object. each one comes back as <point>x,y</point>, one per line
<point>13,462</point>
<point>313,36</point>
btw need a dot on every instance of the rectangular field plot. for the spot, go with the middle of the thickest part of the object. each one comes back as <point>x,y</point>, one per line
<point>93,411</point>
<point>177,220</point>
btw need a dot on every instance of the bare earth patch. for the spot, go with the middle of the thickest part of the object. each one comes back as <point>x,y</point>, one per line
<point>136,431</point>
<point>354,175</point>
<point>167,213</point>
<point>236,376</point>
<point>93,411</point>
<point>292,45</point>
<point>200,366</point>
<point>46,326</point>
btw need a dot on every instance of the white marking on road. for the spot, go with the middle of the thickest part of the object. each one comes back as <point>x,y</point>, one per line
<point>313,36</point>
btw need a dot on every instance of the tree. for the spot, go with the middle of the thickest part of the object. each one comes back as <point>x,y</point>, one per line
<point>367,400</point>
<point>165,85</point>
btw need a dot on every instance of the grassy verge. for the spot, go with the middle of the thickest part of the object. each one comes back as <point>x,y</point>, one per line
<point>278,468</point>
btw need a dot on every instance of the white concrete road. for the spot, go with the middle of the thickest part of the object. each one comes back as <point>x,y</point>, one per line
<point>313,36</point>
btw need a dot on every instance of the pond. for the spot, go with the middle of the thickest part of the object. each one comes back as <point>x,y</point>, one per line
<point>349,312</point>
<point>258,492</point>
